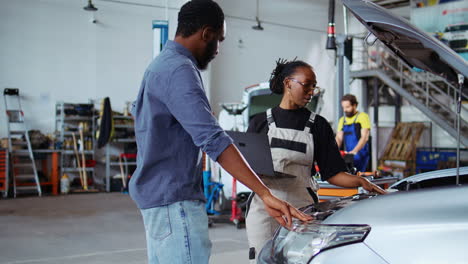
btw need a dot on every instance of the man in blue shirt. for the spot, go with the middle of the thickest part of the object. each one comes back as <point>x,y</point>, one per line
<point>173,123</point>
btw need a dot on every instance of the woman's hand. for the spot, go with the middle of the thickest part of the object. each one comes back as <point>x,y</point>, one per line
<point>370,187</point>
<point>282,211</point>
<point>346,180</point>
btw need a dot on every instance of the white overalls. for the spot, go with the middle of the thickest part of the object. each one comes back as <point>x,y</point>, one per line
<point>292,152</point>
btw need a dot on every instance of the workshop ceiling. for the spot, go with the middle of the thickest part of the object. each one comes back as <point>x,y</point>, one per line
<point>306,14</point>
<point>300,13</point>
<point>311,14</point>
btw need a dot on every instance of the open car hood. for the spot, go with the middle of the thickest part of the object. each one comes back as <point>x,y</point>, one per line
<point>411,44</point>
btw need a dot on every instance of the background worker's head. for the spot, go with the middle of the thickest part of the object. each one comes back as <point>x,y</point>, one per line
<point>349,104</point>
<point>295,80</point>
<point>201,24</point>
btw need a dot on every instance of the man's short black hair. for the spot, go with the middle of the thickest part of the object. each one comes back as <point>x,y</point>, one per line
<point>351,98</point>
<point>196,14</point>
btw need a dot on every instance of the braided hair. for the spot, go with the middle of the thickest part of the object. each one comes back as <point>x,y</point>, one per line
<point>196,14</point>
<point>284,69</point>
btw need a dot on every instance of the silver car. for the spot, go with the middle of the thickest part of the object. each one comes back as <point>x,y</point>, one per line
<point>429,226</point>
<point>422,226</point>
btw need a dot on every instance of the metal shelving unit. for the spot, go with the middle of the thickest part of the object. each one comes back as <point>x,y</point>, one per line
<point>119,142</point>
<point>68,117</point>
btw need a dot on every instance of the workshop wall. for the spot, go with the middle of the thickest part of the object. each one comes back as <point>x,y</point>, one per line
<point>291,29</point>
<point>53,52</point>
<point>48,51</point>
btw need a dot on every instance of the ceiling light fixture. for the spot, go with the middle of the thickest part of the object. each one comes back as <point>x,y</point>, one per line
<point>90,7</point>
<point>259,24</point>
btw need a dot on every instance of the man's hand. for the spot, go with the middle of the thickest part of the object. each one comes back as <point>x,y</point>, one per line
<point>282,211</point>
<point>370,187</point>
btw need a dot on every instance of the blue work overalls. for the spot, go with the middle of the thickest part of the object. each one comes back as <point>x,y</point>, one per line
<point>352,134</point>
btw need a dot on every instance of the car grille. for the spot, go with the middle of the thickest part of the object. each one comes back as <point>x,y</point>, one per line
<point>457,44</point>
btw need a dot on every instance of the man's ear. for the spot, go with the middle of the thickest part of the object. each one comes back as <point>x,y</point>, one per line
<point>207,34</point>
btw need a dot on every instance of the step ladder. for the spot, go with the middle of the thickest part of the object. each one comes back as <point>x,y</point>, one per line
<point>25,178</point>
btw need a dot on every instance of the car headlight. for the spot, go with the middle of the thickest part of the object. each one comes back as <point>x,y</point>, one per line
<point>306,240</point>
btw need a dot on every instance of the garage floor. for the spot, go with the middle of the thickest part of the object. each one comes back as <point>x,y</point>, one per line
<point>90,228</point>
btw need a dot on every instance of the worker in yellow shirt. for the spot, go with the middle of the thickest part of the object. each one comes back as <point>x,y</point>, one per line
<point>353,131</point>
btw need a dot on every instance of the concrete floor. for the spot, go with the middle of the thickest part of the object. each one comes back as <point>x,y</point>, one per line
<point>91,228</point>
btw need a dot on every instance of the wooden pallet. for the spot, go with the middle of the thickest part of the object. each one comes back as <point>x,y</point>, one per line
<point>403,141</point>
<point>400,152</point>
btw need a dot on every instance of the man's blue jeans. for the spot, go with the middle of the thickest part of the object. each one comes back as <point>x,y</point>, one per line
<point>177,233</point>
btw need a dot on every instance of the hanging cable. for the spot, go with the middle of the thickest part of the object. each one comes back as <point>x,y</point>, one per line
<point>226,16</point>
<point>167,10</point>
<point>461,81</point>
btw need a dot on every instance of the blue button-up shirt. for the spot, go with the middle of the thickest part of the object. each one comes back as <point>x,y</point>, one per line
<point>173,121</point>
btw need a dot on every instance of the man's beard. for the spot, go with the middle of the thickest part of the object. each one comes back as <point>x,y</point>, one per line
<point>349,114</point>
<point>208,55</point>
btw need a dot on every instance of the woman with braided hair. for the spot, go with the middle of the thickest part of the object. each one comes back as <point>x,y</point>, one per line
<point>297,137</point>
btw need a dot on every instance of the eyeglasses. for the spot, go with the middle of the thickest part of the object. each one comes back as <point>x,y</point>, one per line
<point>308,87</point>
